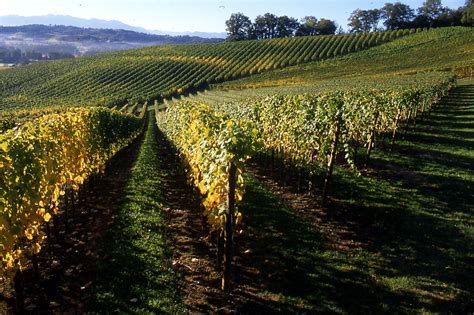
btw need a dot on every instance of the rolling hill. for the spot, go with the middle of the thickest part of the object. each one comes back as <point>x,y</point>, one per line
<point>442,49</point>
<point>163,71</point>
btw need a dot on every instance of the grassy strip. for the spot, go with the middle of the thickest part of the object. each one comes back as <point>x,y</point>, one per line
<point>415,211</point>
<point>136,275</point>
<point>303,275</point>
<point>421,199</point>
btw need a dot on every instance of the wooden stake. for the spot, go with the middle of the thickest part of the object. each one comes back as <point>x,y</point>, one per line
<point>396,126</point>
<point>219,248</point>
<point>229,228</point>
<point>332,159</point>
<point>19,294</point>
<point>34,260</point>
<point>371,142</point>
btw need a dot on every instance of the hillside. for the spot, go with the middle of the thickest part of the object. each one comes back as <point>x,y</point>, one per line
<point>445,49</point>
<point>162,71</point>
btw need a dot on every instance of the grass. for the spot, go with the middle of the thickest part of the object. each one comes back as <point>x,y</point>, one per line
<point>417,209</point>
<point>135,276</point>
<point>304,277</point>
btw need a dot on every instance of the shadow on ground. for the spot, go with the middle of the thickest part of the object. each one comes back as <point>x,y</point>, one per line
<point>415,205</point>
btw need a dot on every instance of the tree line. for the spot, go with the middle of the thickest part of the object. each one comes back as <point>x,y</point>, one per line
<point>17,56</point>
<point>392,16</point>
<point>397,15</point>
<point>240,27</point>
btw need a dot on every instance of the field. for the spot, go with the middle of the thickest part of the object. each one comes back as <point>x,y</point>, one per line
<point>326,174</point>
<point>159,72</point>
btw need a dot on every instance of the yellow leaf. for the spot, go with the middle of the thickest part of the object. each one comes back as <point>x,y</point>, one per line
<point>4,146</point>
<point>239,218</point>
<point>29,234</point>
<point>79,180</point>
<point>9,260</point>
<point>36,248</point>
<point>47,217</point>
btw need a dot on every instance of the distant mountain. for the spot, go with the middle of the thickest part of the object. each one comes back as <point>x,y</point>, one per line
<point>61,33</point>
<point>24,44</point>
<point>198,34</point>
<point>15,20</point>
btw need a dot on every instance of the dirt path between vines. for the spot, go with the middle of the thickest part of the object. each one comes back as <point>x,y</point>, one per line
<point>193,254</point>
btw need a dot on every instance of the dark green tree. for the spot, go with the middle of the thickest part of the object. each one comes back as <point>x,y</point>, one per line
<point>468,13</point>
<point>287,26</point>
<point>238,27</point>
<point>397,15</point>
<point>308,26</point>
<point>326,27</point>
<point>364,20</point>
<point>432,10</point>
<point>265,26</point>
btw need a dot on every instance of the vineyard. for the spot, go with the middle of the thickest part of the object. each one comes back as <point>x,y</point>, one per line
<point>450,49</point>
<point>159,72</point>
<point>295,175</point>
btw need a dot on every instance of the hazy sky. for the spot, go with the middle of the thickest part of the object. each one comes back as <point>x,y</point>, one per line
<point>198,15</point>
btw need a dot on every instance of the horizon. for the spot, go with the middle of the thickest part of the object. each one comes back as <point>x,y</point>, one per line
<point>180,15</point>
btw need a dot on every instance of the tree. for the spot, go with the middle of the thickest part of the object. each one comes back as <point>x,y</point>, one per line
<point>449,18</point>
<point>271,21</point>
<point>432,10</point>
<point>258,28</point>
<point>421,21</point>
<point>468,13</point>
<point>340,30</point>
<point>364,20</point>
<point>238,27</point>
<point>308,26</point>
<point>265,26</point>
<point>326,27</point>
<point>286,26</point>
<point>397,15</point>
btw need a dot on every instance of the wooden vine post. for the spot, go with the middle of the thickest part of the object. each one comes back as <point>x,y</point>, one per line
<point>397,120</point>
<point>372,140</point>
<point>331,162</point>
<point>19,293</point>
<point>229,228</point>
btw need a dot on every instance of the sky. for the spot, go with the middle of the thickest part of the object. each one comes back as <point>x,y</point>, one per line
<point>197,15</point>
